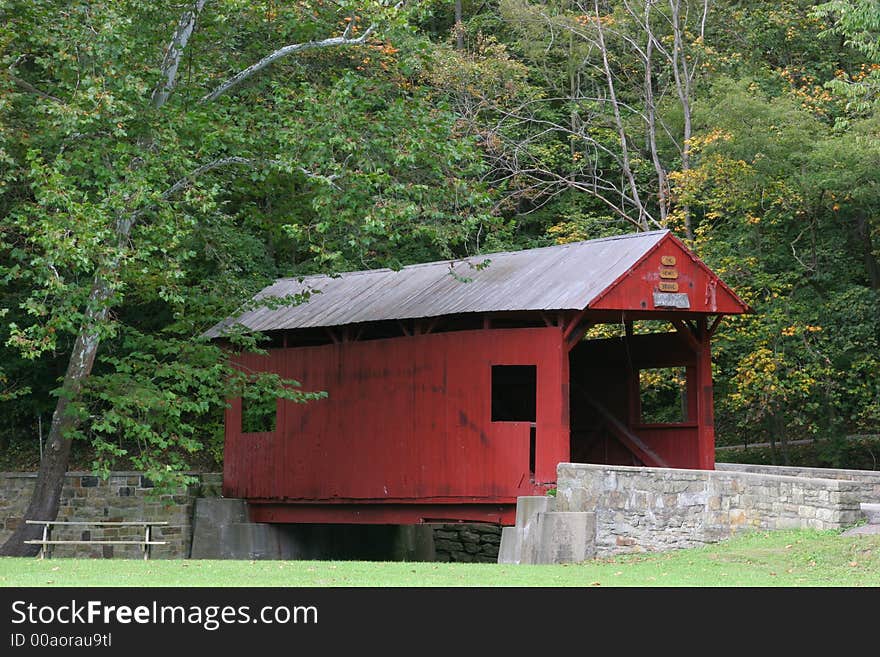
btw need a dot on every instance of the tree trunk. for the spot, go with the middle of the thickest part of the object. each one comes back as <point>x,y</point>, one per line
<point>459,27</point>
<point>779,428</point>
<point>683,86</point>
<point>46,497</point>
<point>53,466</point>
<point>621,132</point>
<point>174,53</point>
<point>651,120</point>
<point>872,267</point>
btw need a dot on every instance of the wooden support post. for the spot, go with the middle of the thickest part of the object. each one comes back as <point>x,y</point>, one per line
<point>147,535</point>
<point>573,324</point>
<point>575,329</point>
<point>688,333</point>
<point>622,433</point>
<point>45,545</point>
<point>705,406</point>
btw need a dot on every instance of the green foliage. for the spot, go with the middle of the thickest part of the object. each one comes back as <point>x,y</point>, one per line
<point>663,395</point>
<point>157,396</point>
<point>408,148</point>
<point>338,158</point>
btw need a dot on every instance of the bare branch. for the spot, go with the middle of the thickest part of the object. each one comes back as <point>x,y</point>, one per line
<point>219,163</point>
<point>651,123</point>
<point>222,162</point>
<point>624,149</point>
<point>27,86</point>
<point>703,19</point>
<point>251,70</point>
<point>173,55</point>
<point>683,86</point>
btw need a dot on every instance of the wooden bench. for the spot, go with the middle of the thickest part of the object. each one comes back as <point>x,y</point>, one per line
<point>46,543</point>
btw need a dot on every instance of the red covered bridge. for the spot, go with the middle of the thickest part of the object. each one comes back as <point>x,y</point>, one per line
<point>456,386</point>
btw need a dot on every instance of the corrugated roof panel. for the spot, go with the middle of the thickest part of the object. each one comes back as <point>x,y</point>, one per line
<point>563,277</point>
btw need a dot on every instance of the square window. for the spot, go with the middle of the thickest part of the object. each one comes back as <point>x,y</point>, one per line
<point>258,415</point>
<point>663,395</point>
<point>514,393</point>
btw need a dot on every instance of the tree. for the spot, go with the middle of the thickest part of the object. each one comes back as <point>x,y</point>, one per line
<point>610,72</point>
<point>128,173</point>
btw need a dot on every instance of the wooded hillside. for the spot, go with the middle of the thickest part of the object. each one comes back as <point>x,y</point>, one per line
<point>160,162</point>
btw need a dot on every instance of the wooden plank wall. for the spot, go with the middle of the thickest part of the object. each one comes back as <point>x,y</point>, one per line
<point>407,419</point>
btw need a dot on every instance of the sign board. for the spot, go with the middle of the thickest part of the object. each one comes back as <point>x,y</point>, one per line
<point>671,300</point>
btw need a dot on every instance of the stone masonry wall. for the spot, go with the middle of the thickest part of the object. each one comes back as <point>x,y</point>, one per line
<point>476,542</point>
<point>869,477</point>
<point>125,496</point>
<point>653,509</point>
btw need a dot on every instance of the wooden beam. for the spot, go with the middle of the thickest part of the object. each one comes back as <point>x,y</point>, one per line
<point>620,431</point>
<point>576,337</point>
<point>701,327</point>
<point>574,330</point>
<point>573,324</point>
<point>685,331</point>
<point>403,328</point>
<point>715,324</point>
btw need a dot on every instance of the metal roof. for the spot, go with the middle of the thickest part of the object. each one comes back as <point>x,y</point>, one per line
<point>564,277</point>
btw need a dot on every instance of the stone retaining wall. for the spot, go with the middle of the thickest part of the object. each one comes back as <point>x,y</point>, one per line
<point>652,509</point>
<point>869,477</point>
<point>476,542</point>
<point>125,496</point>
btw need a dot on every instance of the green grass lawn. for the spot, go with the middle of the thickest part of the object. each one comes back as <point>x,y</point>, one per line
<point>784,558</point>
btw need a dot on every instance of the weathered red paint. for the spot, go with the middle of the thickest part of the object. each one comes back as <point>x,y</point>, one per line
<point>634,290</point>
<point>385,513</point>
<point>607,371</point>
<point>407,421</point>
<point>406,433</point>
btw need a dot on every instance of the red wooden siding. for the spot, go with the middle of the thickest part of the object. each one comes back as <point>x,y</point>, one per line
<point>607,372</point>
<point>407,435</point>
<point>407,420</point>
<point>635,289</point>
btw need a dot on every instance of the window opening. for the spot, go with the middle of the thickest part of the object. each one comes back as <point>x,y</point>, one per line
<point>663,395</point>
<point>258,415</point>
<point>514,393</point>
<point>532,453</point>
